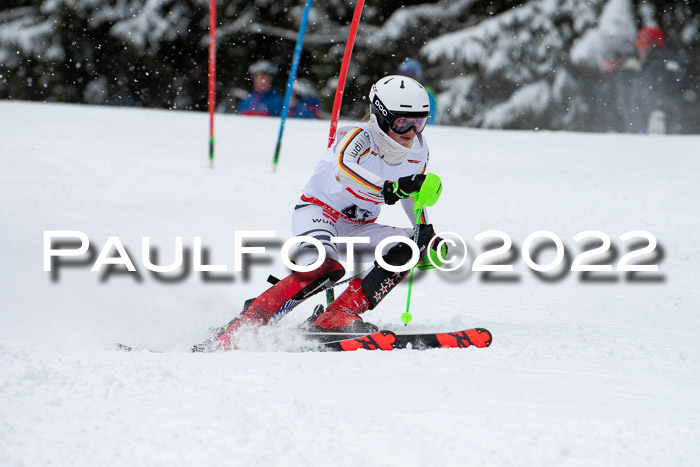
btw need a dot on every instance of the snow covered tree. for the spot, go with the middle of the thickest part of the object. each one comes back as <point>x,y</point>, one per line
<point>497,64</point>
<point>536,65</point>
<point>123,52</point>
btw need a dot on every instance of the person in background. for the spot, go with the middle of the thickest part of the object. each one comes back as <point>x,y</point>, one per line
<point>616,73</point>
<point>655,91</point>
<point>411,68</point>
<point>304,102</point>
<point>264,100</point>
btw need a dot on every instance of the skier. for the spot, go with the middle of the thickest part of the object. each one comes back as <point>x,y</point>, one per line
<point>304,102</point>
<point>655,91</point>
<point>381,160</point>
<point>263,100</point>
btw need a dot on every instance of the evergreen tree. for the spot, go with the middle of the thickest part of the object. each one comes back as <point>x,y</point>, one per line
<point>536,65</point>
<point>502,63</point>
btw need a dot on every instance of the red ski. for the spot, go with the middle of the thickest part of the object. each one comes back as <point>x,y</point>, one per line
<point>388,340</point>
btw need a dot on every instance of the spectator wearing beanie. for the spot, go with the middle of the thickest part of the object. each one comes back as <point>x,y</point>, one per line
<point>263,100</point>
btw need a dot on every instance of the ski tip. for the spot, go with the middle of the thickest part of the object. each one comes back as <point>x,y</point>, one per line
<point>484,339</point>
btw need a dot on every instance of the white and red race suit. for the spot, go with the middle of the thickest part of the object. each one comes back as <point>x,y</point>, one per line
<point>343,197</point>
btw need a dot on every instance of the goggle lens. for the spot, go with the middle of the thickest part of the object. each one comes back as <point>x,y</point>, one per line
<point>402,125</point>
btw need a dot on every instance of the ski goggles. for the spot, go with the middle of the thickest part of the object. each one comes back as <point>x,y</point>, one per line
<point>402,125</point>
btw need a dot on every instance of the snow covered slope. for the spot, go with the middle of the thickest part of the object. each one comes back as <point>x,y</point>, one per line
<point>585,369</point>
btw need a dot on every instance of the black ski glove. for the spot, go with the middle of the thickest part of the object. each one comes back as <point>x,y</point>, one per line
<point>402,188</point>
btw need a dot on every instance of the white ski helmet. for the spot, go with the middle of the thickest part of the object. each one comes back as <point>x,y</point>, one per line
<point>397,96</point>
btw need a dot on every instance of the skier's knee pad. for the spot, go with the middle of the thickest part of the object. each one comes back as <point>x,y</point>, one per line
<point>401,253</point>
<point>425,234</point>
<point>286,294</point>
<point>379,281</point>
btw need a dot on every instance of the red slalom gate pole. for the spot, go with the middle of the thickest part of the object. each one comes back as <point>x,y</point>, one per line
<point>340,89</point>
<point>212,77</point>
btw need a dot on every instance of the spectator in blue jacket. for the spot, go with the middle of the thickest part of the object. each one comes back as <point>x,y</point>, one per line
<point>264,100</point>
<point>305,102</point>
<point>411,68</point>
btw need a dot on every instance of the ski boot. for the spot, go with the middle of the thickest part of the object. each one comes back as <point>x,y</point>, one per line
<point>343,314</point>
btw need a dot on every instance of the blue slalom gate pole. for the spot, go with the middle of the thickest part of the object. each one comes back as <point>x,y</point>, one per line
<point>290,81</point>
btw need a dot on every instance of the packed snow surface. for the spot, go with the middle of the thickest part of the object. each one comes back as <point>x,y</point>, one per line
<point>595,368</point>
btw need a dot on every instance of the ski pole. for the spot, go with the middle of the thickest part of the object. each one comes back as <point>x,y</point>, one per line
<point>406,317</point>
<point>427,196</point>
